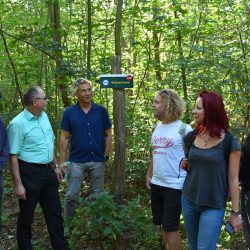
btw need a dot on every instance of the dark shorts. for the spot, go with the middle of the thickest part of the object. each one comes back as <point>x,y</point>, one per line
<point>166,207</point>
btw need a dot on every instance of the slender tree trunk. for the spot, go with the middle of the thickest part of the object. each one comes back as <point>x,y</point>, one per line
<point>11,63</point>
<point>119,114</point>
<point>54,16</point>
<point>157,62</point>
<point>156,43</point>
<point>183,67</point>
<point>89,40</point>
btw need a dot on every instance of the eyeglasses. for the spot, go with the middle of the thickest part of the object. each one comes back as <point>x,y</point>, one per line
<point>42,98</point>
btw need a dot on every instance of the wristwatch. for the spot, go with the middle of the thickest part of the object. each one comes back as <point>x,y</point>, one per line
<point>236,213</point>
<point>55,165</point>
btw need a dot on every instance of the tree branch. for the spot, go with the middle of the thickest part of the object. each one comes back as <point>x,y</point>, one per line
<point>11,62</point>
<point>26,42</point>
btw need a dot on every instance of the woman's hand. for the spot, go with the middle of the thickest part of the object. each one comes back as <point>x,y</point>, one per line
<point>185,164</point>
<point>236,222</point>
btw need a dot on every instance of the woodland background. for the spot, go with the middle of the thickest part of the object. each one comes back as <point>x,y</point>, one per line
<point>188,46</point>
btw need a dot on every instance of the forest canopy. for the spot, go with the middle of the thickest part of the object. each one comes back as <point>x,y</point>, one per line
<point>188,46</point>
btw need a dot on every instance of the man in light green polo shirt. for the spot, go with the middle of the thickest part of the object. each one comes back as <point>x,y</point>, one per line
<point>32,165</point>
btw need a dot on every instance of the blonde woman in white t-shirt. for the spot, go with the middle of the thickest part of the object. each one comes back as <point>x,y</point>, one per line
<point>164,177</point>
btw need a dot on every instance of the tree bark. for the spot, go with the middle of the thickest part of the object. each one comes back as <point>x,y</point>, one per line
<point>156,43</point>
<point>89,40</point>
<point>183,67</point>
<point>54,16</point>
<point>119,115</point>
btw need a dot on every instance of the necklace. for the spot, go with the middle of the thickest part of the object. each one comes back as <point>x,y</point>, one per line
<point>205,141</point>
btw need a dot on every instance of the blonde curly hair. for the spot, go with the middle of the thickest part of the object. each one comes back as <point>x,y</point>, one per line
<point>175,105</point>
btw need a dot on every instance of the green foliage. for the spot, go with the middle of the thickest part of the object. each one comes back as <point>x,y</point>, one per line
<point>206,41</point>
<point>99,218</point>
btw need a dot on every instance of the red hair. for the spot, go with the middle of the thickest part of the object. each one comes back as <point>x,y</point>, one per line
<point>215,119</point>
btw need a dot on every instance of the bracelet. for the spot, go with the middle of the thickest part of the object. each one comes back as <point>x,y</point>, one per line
<point>236,213</point>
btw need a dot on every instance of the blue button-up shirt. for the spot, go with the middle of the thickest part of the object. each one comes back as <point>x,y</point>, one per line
<point>87,130</point>
<point>31,137</point>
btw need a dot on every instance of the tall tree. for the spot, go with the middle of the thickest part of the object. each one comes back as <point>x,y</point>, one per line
<point>119,114</point>
<point>60,80</point>
<point>156,43</point>
<point>89,39</point>
<point>182,62</point>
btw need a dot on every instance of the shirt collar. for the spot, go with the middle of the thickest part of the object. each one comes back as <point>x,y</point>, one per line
<point>93,106</point>
<point>30,116</point>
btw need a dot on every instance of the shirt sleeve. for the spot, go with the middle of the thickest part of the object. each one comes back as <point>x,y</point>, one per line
<point>4,151</point>
<point>235,146</point>
<point>106,120</point>
<point>15,136</point>
<point>65,125</point>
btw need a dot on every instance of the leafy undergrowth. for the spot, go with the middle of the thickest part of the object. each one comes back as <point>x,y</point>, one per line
<point>116,227</point>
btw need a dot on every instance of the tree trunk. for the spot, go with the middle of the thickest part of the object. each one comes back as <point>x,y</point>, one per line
<point>156,43</point>
<point>119,115</point>
<point>89,40</point>
<point>54,16</point>
<point>183,67</point>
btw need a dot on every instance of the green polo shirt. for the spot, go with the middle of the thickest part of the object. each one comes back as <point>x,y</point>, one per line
<point>31,137</point>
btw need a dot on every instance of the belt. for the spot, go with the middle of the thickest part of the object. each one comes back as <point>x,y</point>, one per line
<point>39,165</point>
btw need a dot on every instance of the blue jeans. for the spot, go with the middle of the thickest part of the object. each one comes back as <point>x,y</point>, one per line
<point>202,224</point>
<point>76,174</point>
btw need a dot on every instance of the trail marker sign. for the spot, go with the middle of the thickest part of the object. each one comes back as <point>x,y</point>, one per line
<point>116,81</point>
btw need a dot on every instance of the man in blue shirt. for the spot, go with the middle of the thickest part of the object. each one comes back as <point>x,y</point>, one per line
<point>4,155</point>
<point>32,165</point>
<point>87,128</point>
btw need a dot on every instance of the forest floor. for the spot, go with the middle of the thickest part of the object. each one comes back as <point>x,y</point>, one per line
<point>10,211</point>
<point>40,236</point>
<point>40,239</point>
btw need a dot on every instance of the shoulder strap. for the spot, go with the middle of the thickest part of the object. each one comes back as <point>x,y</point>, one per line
<point>227,143</point>
<point>182,132</point>
<point>188,140</point>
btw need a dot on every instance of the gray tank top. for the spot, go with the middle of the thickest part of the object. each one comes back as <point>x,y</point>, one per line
<point>207,182</point>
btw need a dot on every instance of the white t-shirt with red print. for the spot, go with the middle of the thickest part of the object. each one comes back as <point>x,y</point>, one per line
<point>167,152</point>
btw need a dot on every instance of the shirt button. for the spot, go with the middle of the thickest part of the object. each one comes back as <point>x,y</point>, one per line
<point>89,133</point>
<point>90,142</point>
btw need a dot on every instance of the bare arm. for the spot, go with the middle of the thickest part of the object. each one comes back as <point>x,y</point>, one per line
<point>108,141</point>
<point>15,173</point>
<point>57,169</point>
<point>64,143</point>
<point>234,164</point>
<point>149,175</point>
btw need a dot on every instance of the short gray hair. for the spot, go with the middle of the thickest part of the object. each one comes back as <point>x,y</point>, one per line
<point>30,95</point>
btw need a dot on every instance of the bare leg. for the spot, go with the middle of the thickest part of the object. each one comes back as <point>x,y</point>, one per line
<point>172,240</point>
